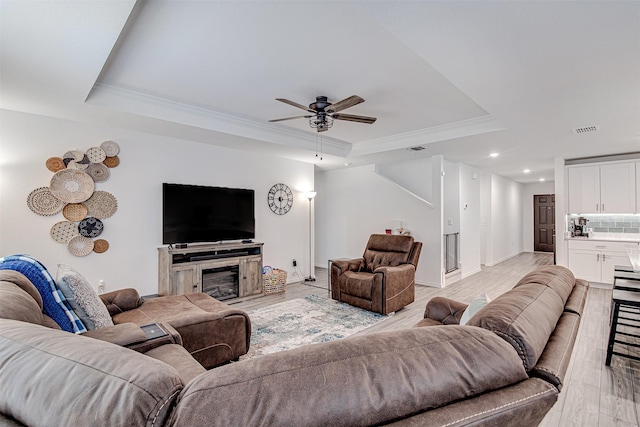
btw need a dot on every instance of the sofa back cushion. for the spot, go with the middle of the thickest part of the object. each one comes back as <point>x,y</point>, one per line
<point>526,315</point>
<point>387,250</point>
<point>366,380</point>
<point>54,378</point>
<point>54,304</point>
<point>16,302</point>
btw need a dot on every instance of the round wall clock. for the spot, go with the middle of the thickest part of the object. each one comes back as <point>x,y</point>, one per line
<point>280,199</point>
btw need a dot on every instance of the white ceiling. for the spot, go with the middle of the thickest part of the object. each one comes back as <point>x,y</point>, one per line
<point>460,78</point>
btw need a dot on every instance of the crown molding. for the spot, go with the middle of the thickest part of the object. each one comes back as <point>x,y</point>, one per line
<point>148,105</point>
<point>469,127</point>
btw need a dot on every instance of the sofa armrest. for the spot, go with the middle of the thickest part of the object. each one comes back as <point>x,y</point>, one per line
<point>132,336</point>
<point>121,300</point>
<point>397,278</point>
<point>444,310</point>
<point>123,334</point>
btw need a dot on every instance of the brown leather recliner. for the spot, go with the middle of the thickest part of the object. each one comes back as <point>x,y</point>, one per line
<point>383,279</point>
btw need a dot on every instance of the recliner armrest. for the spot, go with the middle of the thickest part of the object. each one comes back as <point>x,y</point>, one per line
<point>444,310</point>
<point>121,300</point>
<point>356,264</point>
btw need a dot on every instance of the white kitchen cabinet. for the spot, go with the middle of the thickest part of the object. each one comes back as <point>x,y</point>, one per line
<point>607,188</point>
<point>594,261</point>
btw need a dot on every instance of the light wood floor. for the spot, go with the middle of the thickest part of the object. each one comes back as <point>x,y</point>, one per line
<point>593,394</point>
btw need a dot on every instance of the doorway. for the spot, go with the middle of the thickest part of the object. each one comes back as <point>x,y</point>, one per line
<point>544,222</point>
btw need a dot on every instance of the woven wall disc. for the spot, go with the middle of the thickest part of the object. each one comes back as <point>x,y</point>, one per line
<point>75,211</point>
<point>110,148</point>
<point>64,231</point>
<point>96,154</point>
<point>98,172</point>
<point>111,162</point>
<point>71,186</point>
<point>55,164</point>
<point>102,205</point>
<point>100,246</point>
<point>80,246</point>
<point>90,227</point>
<point>43,202</point>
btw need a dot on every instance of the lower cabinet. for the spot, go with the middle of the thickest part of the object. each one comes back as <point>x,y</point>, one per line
<point>595,260</point>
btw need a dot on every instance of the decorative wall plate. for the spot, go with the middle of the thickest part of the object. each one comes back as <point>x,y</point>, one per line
<point>64,231</point>
<point>110,148</point>
<point>102,205</point>
<point>71,186</point>
<point>76,159</point>
<point>96,154</point>
<point>55,164</point>
<point>90,227</point>
<point>111,162</point>
<point>75,211</point>
<point>43,202</point>
<point>100,246</point>
<point>99,172</point>
<point>80,246</point>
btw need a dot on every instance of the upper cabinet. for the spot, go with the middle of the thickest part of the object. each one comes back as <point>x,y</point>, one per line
<point>607,188</point>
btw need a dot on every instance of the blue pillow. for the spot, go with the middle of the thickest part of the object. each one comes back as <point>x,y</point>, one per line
<point>54,303</point>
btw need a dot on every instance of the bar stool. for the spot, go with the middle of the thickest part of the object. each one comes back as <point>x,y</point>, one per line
<point>626,313</point>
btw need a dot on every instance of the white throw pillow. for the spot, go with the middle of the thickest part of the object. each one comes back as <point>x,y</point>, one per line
<point>85,298</point>
<point>474,307</point>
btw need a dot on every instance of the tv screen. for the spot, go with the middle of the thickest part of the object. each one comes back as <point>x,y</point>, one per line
<point>197,214</point>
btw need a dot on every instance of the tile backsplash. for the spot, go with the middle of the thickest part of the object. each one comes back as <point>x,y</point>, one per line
<point>603,223</point>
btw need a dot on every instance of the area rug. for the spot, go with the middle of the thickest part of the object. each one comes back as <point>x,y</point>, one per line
<point>302,321</point>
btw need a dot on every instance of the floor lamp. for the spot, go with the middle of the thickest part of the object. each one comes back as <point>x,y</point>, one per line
<point>311,278</point>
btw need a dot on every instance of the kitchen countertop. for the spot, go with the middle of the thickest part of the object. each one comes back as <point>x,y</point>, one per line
<point>610,237</point>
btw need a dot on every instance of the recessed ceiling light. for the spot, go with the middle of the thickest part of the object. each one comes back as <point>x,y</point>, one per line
<point>541,179</point>
<point>526,171</point>
<point>494,155</point>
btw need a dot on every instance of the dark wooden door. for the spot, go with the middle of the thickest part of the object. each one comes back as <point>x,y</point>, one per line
<point>544,222</point>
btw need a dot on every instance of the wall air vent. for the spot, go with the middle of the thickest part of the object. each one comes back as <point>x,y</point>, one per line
<point>417,148</point>
<point>586,129</point>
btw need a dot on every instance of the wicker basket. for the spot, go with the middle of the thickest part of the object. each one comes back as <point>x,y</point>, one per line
<point>274,282</point>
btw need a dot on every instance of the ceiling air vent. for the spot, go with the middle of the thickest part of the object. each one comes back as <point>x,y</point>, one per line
<point>417,148</point>
<point>586,129</point>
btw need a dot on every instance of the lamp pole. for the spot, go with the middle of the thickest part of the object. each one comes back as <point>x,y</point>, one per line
<point>311,278</point>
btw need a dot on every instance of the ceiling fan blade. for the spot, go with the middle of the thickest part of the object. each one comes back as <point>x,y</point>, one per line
<point>295,104</point>
<point>290,118</point>
<point>353,118</point>
<point>345,103</point>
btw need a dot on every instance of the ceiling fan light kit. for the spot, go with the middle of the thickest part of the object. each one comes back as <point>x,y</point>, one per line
<point>325,112</point>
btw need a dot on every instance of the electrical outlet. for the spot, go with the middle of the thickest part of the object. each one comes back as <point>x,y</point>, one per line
<point>295,263</point>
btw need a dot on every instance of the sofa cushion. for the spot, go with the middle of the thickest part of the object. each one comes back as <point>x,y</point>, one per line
<point>83,298</point>
<point>525,317</point>
<point>54,378</point>
<point>54,304</point>
<point>362,380</point>
<point>556,277</point>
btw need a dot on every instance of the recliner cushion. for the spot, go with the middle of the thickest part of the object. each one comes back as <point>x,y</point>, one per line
<point>386,250</point>
<point>359,284</point>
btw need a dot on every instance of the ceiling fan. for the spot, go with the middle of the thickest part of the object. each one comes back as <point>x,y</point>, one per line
<point>324,112</point>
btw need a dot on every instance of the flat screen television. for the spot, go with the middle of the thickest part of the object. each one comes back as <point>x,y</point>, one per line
<point>198,214</point>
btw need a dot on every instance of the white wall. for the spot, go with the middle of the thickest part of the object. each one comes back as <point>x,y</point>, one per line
<point>354,203</point>
<point>135,231</point>
<point>470,220</point>
<point>451,198</point>
<point>528,191</point>
<point>504,230</point>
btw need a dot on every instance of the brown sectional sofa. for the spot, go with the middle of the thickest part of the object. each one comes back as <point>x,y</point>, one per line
<point>504,368</point>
